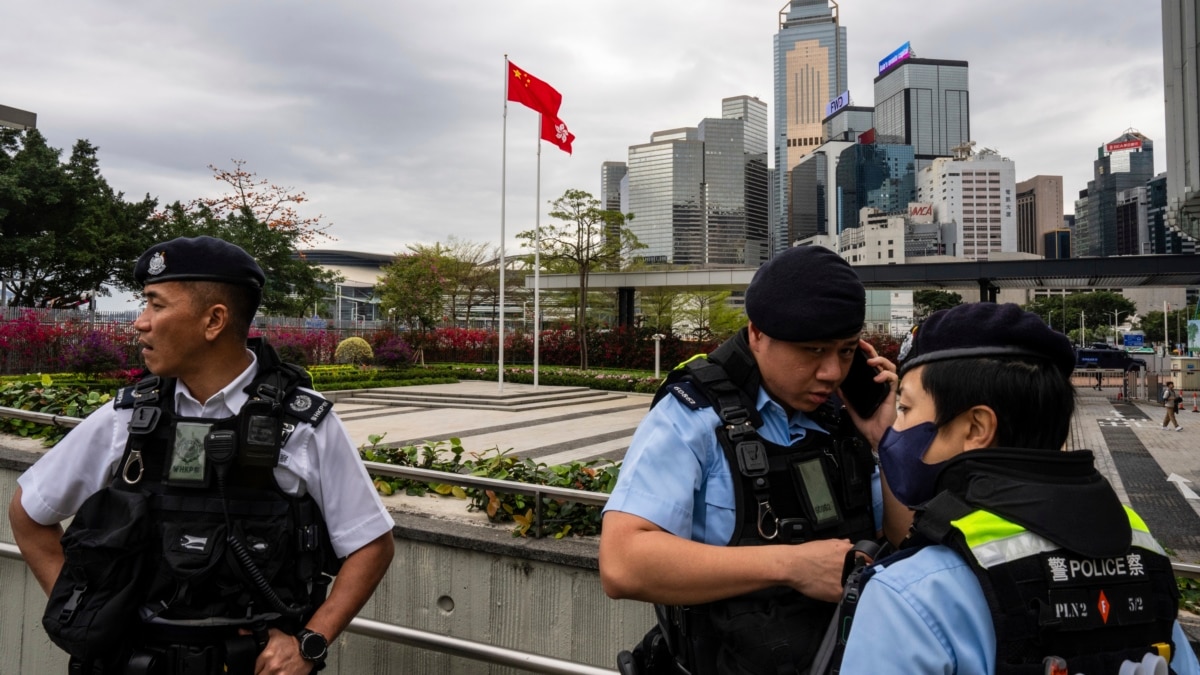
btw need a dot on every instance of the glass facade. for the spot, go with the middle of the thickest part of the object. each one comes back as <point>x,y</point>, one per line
<point>879,176</point>
<point>1115,170</point>
<point>924,103</point>
<point>699,195</point>
<point>810,71</point>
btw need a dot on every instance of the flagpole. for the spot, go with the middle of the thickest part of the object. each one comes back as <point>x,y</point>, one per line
<point>537,257</point>
<point>503,181</point>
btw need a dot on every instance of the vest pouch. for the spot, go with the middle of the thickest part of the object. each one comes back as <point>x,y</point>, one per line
<point>92,609</point>
<point>768,632</point>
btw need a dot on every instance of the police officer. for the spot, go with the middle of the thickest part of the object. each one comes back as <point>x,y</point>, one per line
<point>1022,558</point>
<point>744,485</point>
<point>272,449</point>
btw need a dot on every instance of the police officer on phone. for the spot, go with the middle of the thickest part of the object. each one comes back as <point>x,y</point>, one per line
<point>747,482</point>
<point>216,496</point>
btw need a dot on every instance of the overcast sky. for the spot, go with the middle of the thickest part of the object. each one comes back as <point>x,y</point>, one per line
<point>389,114</point>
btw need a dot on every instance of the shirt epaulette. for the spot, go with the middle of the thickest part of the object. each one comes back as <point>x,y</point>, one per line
<point>306,406</point>
<point>124,397</point>
<point>689,395</point>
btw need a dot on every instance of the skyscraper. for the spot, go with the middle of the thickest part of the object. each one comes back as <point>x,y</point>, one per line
<point>611,174</point>
<point>924,103</point>
<point>810,71</point>
<point>1181,80</point>
<point>1039,210</point>
<point>699,194</point>
<point>1124,163</point>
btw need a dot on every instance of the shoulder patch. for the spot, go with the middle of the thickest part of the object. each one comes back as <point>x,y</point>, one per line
<point>689,395</point>
<point>124,397</point>
<point>306,406</point>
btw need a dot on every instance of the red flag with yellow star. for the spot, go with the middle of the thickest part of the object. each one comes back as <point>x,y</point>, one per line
<point>555,131</point>
<point>529,91</point>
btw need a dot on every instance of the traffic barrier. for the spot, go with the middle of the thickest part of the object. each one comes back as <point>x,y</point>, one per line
<point>1195,408</point>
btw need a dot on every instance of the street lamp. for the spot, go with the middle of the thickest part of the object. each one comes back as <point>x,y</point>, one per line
<point>1082,329</point>
<point>1117,317</point>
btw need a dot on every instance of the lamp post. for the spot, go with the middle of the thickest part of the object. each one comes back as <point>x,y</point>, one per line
<point>1050,319</point>
<point>658,338</point>
<point>1117,317</point>
<point>1082,329</point>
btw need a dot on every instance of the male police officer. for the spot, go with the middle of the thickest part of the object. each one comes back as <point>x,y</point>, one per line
<point>744,484</point>
<point>253,488</point>
<point>1020,552</point>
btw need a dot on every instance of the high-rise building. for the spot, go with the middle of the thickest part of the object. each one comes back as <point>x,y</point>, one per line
<point>1163,237</point>
<point>976,191</point>
<point>1181,80</point>
<point>1132,230</point>
<point>1039,210</point>
<point>880,176</point>
<point>810,72</point>
<point>924,103</point>
<point>699,194</point>
<point>1124,163</point>
<point>611,174</point>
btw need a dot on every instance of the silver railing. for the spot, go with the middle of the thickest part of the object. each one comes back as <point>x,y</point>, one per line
<point>476,651</point>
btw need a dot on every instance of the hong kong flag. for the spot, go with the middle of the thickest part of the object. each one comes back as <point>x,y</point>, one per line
<point>555,131</point>
<point>529,91</point>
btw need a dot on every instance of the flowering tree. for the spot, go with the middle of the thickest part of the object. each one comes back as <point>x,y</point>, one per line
<point>272,205</point>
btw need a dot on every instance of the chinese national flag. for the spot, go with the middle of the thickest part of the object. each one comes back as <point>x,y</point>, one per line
<point>529,91</point>
<point>555,131</point>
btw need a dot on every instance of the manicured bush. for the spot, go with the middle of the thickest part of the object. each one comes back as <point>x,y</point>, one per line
<point>393,352</point>
<point>94,353</point>
<point>353,350</point>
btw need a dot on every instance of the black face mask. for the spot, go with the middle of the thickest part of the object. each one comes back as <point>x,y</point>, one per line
<point>900,452</point>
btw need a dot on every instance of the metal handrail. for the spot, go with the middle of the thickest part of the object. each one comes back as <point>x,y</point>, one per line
<point>41,418</point>
<point>476,651</point>
<point>409,472</point>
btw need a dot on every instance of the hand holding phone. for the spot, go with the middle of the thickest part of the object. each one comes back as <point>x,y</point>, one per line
<point>860,391</point>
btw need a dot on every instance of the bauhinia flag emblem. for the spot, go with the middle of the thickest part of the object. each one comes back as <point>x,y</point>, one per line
<point>529,91</point>
<point>555,131</point>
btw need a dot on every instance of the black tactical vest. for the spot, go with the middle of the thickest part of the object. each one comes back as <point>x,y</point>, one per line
<point>229,547</point>
<point>817,488</point>
<point>1093,612</point>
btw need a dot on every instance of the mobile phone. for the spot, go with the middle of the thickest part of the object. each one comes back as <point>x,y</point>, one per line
<point>860,391</point>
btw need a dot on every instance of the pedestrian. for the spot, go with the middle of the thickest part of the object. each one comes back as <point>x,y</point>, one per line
<point>1171,400</point>
<point>231,488</point>
<point>1022,559</point>
<point>747,480</point>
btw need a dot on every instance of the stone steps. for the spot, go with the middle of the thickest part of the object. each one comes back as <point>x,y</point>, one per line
<point>515,400</point>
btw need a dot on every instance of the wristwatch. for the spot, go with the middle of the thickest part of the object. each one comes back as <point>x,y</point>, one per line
<point>313,647</point>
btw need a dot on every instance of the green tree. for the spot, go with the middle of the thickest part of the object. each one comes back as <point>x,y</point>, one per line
<point>412,289</point>
<point>709,314</point>
<point>63,231</point>
<point>294,285</point>
<point>1097,311</point>
<point>927,302</point>
<point>660,307</point>
<point>586,238</point>
<point>464,266</point>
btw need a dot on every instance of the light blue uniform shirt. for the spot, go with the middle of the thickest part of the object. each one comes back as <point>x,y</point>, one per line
<point>676,476</point>
<point>927,614</point>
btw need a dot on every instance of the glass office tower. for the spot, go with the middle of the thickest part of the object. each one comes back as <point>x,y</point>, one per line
<point>1124,163</point>
<point>1181,80</point>
<point>879,175</point>
<point>810,71</point>
<point>699,194</point>
<point>924,103</point>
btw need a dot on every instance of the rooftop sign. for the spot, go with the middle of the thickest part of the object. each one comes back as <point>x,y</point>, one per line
<point>895,57</point>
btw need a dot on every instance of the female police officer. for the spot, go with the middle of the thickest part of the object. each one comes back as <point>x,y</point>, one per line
<point>1020,552</point>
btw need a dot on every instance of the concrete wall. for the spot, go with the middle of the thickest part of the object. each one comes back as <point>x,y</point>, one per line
<point>450,576</point>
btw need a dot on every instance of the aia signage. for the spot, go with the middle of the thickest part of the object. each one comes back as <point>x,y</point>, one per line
<point>838,103</point>
<point>895,57</point>
<point>920,213</point>
<point>1123,145</point>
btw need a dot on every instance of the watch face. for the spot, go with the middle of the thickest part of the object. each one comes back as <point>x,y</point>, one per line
<point>313,646</point>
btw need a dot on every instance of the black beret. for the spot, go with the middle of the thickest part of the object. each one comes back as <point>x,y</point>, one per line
<point>198,259</point>
<point>806,293</point>
<point>986,329</point>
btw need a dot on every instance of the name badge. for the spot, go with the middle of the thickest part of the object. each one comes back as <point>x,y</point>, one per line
<point>188,465</point>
